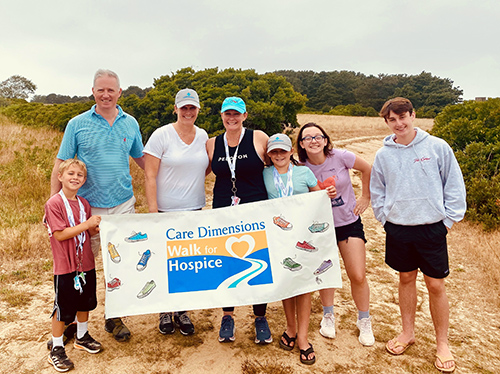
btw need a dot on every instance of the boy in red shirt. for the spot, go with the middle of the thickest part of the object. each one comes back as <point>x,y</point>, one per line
<point>70,225</point>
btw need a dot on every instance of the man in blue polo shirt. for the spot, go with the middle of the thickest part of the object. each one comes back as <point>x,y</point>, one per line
<point>104,137</point>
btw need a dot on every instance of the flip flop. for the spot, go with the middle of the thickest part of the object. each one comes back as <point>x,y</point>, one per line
<point>288,345</point>
<point>306,353</point>
<point>396,344</point>
<point>443,360</point>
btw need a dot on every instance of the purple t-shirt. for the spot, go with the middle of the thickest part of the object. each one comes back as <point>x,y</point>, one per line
<point>337,164</point>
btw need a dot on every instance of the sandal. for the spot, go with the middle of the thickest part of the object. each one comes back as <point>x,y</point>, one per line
<point>288,345</point>
<point>306,353</point>
<point>396,344</point>
<point>442,360</point>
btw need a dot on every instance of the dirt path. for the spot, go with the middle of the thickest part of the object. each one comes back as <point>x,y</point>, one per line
<point>474,326</point>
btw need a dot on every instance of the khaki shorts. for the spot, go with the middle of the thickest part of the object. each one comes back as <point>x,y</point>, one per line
<point>128,207</point>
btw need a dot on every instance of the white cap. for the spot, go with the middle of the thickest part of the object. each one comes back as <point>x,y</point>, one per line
<point>187,96</point>
<point>279,141</point>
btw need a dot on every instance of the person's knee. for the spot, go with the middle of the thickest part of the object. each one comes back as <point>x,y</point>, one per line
<point>435,286</point>
<point>358,279</point>
<point>408,278</point>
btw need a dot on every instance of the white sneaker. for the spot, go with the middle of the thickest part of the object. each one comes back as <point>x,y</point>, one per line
<point>365,331</point>
<point>328,326</point>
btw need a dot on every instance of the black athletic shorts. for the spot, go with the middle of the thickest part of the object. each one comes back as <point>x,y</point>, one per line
<point>352,230</point>
<point>423,247</point>
<point>68,301</point>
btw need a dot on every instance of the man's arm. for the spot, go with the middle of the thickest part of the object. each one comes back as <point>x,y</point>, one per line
<point>55,185</point>
<point>140,162</point>
<point>152,165</point>
<point>454,193</point>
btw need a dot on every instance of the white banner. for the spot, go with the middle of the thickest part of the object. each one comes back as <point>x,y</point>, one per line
<point>249,254</point>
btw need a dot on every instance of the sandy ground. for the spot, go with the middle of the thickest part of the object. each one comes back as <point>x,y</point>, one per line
<point>474,326</point>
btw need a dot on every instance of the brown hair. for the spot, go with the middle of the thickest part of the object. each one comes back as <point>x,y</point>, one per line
<point>72,161</point>
<point>398,105</point>
<point>302,152</point>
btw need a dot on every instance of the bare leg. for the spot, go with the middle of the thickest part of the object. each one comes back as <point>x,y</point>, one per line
<point>353,253</point>
<point>326,295</point>
<point>303,303</point>
<point>408,307</point>
<point>82,316</point>
<point>289,306</point>
<point>57,326</point>
<point>440,313</point>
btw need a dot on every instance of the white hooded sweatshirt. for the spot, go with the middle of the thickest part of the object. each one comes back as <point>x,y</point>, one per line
<point>417,184</point>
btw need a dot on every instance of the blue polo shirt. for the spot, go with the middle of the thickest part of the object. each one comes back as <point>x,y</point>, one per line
<point>105,150</point>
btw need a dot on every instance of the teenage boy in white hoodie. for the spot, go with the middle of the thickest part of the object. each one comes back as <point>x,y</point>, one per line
<point>417,192</point>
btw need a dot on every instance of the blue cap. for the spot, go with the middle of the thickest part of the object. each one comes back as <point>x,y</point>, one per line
<point>234,103</point>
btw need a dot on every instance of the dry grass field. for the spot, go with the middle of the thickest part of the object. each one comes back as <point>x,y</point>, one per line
<point>26,291</point>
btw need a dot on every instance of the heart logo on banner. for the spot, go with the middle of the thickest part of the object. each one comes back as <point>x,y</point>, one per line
<point>246,242</point>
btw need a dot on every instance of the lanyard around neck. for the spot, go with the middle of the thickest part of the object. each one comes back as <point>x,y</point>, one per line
<point>278,182</point>
<point>80,238</point>
<point>232,164</point>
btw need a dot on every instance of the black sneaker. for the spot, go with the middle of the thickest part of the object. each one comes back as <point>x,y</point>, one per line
<point>184,323</point>
<point>116,327</point>
<point>87,343</point>
<point>58,359</point>
<point>262,331</point>
<point>69,333</point>
<point>166,324</point>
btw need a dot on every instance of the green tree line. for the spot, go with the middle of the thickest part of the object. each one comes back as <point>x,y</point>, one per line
<point>272,103</point>
<point>473,131</point>
<point>350,92</point>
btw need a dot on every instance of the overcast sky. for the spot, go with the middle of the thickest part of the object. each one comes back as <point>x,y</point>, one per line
<point>60,44</point>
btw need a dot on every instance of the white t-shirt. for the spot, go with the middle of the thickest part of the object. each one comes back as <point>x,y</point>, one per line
<point>180,183</point>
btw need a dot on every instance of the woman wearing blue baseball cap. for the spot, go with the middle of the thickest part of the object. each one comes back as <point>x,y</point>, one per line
<point>237,159</point>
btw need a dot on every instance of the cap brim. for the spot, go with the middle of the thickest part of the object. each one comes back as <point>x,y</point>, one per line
<point>284,147</point>
<point>232,107</point>
<point>187,102</point>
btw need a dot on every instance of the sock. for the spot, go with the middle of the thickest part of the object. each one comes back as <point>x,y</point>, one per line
<point>81,329</point>
<point>362,315</point>
<point>327,309</point>
<point>57,342</point>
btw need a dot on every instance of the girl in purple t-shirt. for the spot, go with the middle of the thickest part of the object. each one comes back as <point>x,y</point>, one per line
<point>331,167</point>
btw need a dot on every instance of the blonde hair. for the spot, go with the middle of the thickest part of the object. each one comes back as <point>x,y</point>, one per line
<point>72,161</point>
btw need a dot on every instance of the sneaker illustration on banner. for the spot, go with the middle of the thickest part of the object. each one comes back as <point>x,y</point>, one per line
<point>290,264</point>
<point>147,289</point>
<point>282,223</point>
<point>306,246</point>
<point>325,265</point>
<point>136,237</point>
<point>317,228</point>
<point>114,284</point>
<point>113,253</point>
<point>143,262</point>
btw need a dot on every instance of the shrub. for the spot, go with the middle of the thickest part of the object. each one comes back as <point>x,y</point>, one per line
<point>473,130</point>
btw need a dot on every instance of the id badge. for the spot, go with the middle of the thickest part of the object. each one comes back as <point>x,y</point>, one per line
<point>235,200</point>
<point>78,286</point>
<point>82,277</point>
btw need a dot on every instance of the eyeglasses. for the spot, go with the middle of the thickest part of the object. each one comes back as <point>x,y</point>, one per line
<point>309,139</point>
